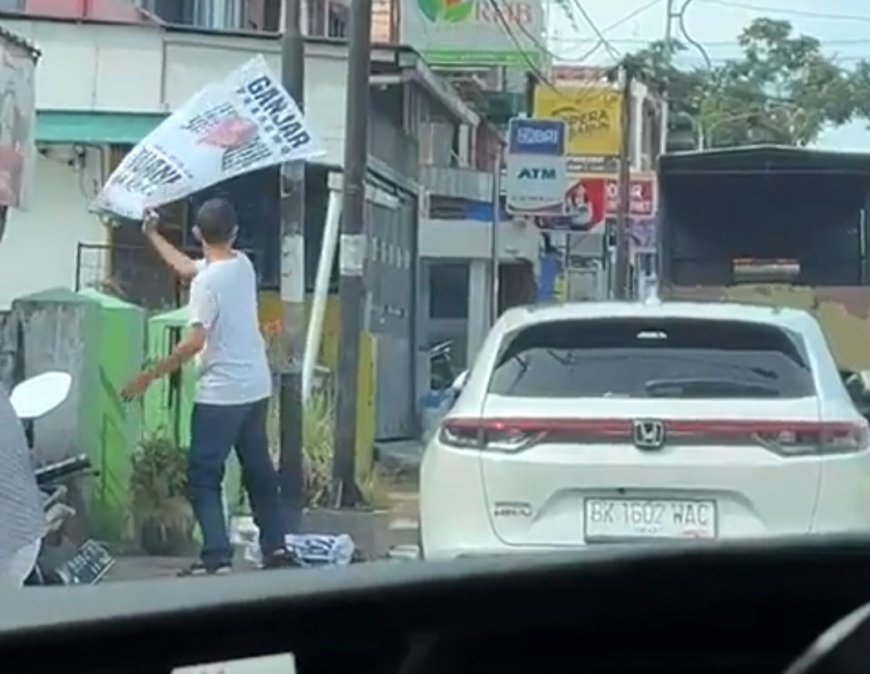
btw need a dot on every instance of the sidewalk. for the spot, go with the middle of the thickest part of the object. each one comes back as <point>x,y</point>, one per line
<point>402,460</point>
<point>404,524</point>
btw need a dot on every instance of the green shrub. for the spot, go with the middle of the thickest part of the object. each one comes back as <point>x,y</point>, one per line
<point>162,516</point>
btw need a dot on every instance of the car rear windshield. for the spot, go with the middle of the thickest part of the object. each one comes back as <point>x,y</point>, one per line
<point>671,358</point>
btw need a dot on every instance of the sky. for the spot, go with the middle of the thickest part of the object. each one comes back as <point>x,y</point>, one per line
<point>841,26</point>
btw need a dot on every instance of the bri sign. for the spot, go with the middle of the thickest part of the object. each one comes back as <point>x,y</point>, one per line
<point>537,136</point>
<point>536,167</point>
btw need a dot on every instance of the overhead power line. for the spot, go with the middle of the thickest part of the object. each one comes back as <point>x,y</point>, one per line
<point>613,51</point>
<point>708,44</point>
<point>788,12</point>
<point>616,24</point>
<point>681,22</point>
<point>530,64</point>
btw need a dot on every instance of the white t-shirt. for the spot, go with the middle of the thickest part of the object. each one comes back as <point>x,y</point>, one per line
<point>233,369</point>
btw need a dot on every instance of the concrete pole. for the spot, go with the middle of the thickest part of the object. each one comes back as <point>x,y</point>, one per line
<point>352,252</point>
<point>292,289</point>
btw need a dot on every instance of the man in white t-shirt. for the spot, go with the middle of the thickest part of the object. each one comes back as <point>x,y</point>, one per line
<point>233,389</point>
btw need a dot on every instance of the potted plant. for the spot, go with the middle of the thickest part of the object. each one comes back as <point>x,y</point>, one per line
<point>162,517</point>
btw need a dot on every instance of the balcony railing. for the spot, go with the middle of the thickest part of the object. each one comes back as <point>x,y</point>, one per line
<point>326,18</point>
<point>458,183</point>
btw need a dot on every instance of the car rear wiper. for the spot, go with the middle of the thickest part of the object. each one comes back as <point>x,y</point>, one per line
<point>523,368</point>
<point>567,359</point>
<point>702,388</point>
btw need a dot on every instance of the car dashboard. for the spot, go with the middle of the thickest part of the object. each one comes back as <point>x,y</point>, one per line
<point>750,608</point>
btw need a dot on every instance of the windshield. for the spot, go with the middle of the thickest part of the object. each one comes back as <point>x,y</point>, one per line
<point>668,358</point>
<point>560,273</point>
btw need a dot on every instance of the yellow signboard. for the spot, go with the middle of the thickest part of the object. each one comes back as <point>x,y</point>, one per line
<point>592,115</point>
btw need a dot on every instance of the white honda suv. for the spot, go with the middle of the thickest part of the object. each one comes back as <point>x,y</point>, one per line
<point>606,422</point>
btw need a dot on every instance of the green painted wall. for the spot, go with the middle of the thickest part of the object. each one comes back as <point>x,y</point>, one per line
<point>122,338</point>
<point>168,402</point>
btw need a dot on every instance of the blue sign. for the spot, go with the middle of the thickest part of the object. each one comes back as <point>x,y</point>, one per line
<point>537,136</point>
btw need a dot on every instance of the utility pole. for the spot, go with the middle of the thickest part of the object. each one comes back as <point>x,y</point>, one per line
<point>495,243</point>
<point>292,186</point>
<point>666,105</point>
<point>622,266</point>
<point>352,251</point>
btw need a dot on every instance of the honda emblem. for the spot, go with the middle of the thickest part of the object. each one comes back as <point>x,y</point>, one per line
<point>649,434</point>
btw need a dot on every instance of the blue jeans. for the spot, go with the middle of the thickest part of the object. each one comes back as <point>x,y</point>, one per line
<point>215,430</point>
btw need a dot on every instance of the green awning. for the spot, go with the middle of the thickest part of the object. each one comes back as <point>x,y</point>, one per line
<point>94,128</point>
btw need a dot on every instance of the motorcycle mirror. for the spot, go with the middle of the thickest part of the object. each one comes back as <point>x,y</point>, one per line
<point>39,395</point>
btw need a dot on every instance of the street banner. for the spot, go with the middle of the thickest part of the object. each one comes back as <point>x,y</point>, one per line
<point>536,167</point>
<point>243,123</point>
<point>17,123</point>
<point>591,113</point>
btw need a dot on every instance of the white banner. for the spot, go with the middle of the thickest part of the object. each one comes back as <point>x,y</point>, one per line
<point>241,124</point>
<point>17,124</point>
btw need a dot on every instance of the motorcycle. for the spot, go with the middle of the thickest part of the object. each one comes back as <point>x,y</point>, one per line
<point>441,366</point>
<point>60,561</point>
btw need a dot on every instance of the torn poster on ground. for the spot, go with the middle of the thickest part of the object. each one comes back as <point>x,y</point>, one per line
<point>243,123</point>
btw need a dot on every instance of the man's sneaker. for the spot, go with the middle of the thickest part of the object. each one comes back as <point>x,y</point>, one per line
<point>202,569</point>
<point>280,559</point>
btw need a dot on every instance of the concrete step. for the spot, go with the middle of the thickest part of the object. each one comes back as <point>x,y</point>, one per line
<point>404,531</point>
<point>409,553</point>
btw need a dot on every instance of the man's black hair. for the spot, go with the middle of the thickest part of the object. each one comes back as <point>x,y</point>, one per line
<point>216,220</point>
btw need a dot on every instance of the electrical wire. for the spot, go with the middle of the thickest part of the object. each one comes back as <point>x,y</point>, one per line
<point>616,24</point>
<point>532,66</point>
<point>792,12</point>
<point>536,40</point>
<point>707,44</point>
<point>565,6</point>
<point>681,20</point>
<point>600,33</point>
<point>613,51</point>
<point>603,40</point>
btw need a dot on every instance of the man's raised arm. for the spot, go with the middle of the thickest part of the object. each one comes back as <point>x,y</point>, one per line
<point>183,266</point>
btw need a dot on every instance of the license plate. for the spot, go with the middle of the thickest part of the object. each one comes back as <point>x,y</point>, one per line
<point>88,566</point>
<point>625,519</point>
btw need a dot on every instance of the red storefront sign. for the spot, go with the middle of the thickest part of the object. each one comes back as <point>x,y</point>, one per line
<point>606,188</point>
<point>590,199</point>
<point>642,196</point>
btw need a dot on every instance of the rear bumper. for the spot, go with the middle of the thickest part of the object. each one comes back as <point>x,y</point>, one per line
<point>456,518</point>
<point>843,500</point>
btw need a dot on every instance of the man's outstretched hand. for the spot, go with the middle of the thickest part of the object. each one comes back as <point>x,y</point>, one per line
<point>150,221</point>
<point>137,387</point>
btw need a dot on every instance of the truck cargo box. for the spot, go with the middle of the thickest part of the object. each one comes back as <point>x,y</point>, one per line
<point>775,226</point>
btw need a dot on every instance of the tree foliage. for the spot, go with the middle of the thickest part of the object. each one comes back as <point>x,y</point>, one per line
<point>783,89</point>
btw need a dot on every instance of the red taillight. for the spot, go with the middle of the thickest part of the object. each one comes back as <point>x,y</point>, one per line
<point>514,435</point>
<point>789,438</point>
